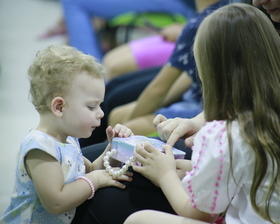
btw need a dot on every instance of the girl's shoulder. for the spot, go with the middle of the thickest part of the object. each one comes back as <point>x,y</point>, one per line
<point>215,124</point>
<point>216,134</point>
<point>219,127</point>
<point>213,129</point>
<point>217,139</point>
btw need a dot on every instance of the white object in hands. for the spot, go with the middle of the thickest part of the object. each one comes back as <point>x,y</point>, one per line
<point>125,147</point>
<point>123,151</point>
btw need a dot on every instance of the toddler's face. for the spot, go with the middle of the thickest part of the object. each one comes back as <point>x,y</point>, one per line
<point>271,6</point>
<point>82,112</point>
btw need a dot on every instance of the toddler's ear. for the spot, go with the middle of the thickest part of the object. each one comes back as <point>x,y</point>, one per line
<point>57,106</point>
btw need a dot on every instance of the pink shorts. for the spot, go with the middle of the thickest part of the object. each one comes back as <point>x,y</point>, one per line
<point>151,51</point>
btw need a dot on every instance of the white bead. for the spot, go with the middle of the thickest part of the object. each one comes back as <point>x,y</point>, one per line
<point>108,168</point>
<point>109,154</point>
<point>125,167</point>
<point>115,174</point>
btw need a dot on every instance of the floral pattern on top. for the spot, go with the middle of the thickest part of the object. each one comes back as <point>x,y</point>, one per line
<point>25,206</point>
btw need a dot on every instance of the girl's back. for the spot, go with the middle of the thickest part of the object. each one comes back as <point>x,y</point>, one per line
<point>215,185</point>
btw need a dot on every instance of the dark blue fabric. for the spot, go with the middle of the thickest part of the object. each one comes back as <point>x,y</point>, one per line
<point>183,59</point>
<point>182,56</point>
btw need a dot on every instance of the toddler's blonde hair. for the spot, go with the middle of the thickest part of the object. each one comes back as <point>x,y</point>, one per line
<point>53,71</point>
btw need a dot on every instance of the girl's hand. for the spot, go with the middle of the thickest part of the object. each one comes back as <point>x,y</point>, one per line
<point>100,179</point>
<point>182,166</point>
<point>171,130</point>
<point>172,32</point>
<point>155,164</point>
<point>118,131</point>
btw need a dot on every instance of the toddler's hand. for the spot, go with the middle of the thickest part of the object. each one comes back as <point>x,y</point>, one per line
<point>118,131</point>
<point>105,180</point>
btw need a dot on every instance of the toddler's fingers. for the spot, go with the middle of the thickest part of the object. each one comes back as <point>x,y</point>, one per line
<point>124,177</point>
<point>117,128</point>
<point>109,133</point>
<point>127,173</point>
<point>130,174</point>
<point>128,132</point>
<point>116,183</point>
<point>124,131</point>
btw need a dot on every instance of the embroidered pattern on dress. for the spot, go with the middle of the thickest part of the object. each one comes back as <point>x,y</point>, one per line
<point>196,165</point>
<point>221,160</point>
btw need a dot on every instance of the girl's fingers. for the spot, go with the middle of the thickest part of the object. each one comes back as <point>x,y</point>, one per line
<point>189,141</point>
<point>140,153</point>
<point>168,150</point>
<point>144,149</point>
<point>148,147</point>
<point>137,168</point>
<point>159,119</point>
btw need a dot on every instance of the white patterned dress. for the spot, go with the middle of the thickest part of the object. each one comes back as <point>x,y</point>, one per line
<point>211,185</point>
<point>25,206</point>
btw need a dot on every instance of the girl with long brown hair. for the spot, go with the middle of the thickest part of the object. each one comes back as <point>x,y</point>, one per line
<point>236,155</point>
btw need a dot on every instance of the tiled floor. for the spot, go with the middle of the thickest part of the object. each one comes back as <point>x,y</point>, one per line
<point>20,23</point>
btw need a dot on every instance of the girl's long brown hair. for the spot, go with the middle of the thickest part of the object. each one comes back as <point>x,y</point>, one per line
<point>237,52</point>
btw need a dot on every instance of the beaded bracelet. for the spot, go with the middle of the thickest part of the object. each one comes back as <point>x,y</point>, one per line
<point>90,184</point>
<point>110,170</point>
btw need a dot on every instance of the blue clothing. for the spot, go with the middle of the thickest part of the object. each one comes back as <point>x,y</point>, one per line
<point>187,108</point>
<point>183,59</point>
<point>25,206</point>
<point>78,14</point>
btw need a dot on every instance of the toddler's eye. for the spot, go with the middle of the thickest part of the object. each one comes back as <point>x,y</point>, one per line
<point>91,108</point>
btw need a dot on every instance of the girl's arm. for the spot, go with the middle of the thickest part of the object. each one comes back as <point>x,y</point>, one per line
<point>160,168</point>
<point>57,198</point>
<point>157,217</point>
<point>172,188</point>
<point>176,91</point>
<point>183,166</point>
<point>154,94</point>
